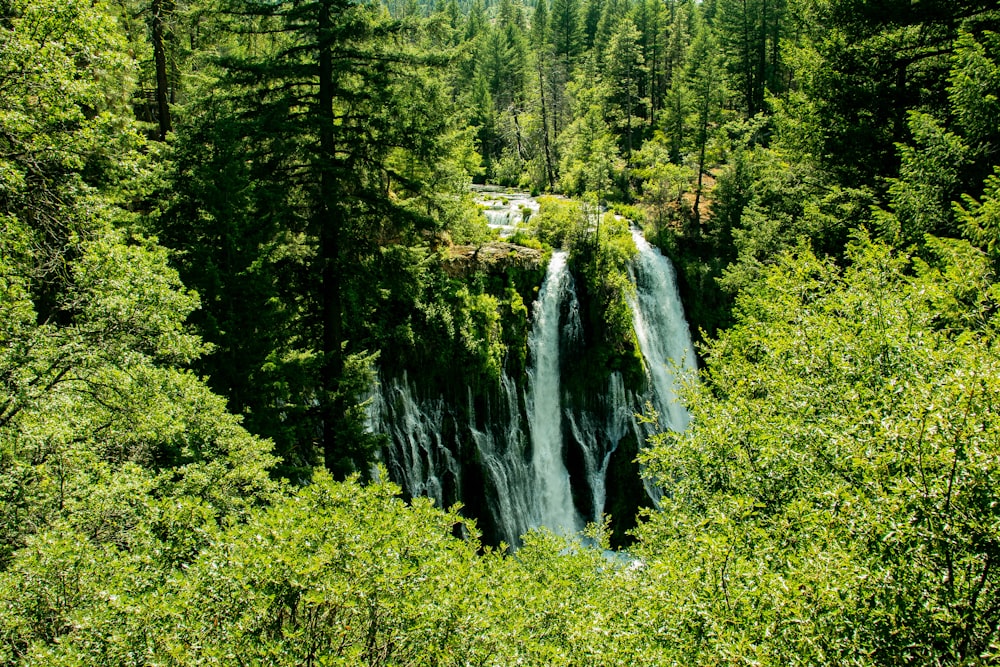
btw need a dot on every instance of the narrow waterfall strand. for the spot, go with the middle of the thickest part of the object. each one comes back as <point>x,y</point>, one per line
<point>554,498</point>
<point>662,331</point>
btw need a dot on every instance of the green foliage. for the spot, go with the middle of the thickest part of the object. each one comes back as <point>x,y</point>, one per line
<point>928,179</point>
<point>974,87</point>
<point>601,249</point>
<point>834,500</point>
<point>289,587</point>
<point>606,274</point>
<point>751,32</point>
<point>600,255</point>
<point>330,136</point>
<point>255,592</point>
<point>591,160</point>
<point>980,220</point>
<point>339,573</point>
<point>101,390</point>
<point>664,184</point>
<point>556,220</point>
<point>834,491</point>
<point>626,69</point>
<point>765,204</point>
<point>116,461</point>
<point>480,331</point>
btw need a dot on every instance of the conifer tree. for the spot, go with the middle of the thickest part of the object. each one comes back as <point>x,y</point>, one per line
<point>626,73</point>
<point>339,128</point>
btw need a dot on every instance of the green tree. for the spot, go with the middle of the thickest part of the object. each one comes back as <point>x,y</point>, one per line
<point>876,63</point>
<point>625,77</point>
<point>545,79</point>
<point>565,33</point>
<point>346,136</point>
<point>750,33</point>
<point>707,96</point>
<point>109,444</point>
<point>837,481</point>
<point>676,95</point>
<point>928,181</point>
<point>980,219</point>
<point>974,88</point>
<point>590,160</point>
<point>648,17</point>
<point>566,40</point>
<point>664,184</point>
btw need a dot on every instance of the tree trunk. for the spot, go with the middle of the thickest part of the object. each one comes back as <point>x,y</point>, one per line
<point>329,224</point>
<point>160,63</point>
<point>762,80</point>
<point>654,92</point>
<point>549,173</point>
<point>748,87</point>
<point>703,141</point>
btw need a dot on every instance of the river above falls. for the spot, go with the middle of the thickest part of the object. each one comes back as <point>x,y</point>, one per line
<point>505,209</point>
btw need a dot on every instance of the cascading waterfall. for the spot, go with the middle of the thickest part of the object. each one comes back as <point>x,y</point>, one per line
<point>553,496</point>
<point>514,457</point>
<point>664,341</point>
<point>662,331</point>
<point>508,474</point>
<point>418,458</point>
<point>599,436</point>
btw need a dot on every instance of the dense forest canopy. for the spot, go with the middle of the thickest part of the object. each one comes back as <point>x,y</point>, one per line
<point>218,218</point>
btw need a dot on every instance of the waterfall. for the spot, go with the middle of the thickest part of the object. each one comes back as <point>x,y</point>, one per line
<point>522,491</point>
<point>508,474</point>
<point>664,340</point>
<point>553,496</point>
<point>525,452</point>
<point>418,458</point>
<point>662,331</point>
<point>599,435</point>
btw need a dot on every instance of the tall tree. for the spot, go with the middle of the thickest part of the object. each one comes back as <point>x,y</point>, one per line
<point>160,11</point>
<point>96,403</point>
<point>544,77</point>
<point>625,75</point>
<point>565,32</point>
<point>750,34</point>
<point>707,93</point>
<point>648,16</point>
<point>341,128</point>
<point>566,39</point>
<point>876,62</point>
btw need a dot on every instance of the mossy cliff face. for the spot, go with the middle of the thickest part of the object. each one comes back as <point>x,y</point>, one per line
<point>452,399</point>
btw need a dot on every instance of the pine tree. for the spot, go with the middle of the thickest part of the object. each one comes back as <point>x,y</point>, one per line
<point>338,129</point>
<point>626,72</point>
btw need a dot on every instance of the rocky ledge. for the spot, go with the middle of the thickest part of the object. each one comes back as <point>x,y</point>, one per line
<point>493,257</point>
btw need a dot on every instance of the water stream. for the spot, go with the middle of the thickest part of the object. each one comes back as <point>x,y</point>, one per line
<point>552,492</point>
<point>509,463</point>
<point>662,331</point>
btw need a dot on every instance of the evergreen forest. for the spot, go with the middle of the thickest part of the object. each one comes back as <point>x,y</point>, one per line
<point>229,227</point>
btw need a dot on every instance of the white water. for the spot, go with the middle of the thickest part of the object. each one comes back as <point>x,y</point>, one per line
<point>506,210</point>
<point>553,497</point>
<point>600,435</point>
<point>419,458</point>
<point>518,444</point>
<point>507,472</point>
<point>662,332</point>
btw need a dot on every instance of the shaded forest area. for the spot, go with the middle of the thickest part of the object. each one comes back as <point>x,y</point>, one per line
<point>217,217</point>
